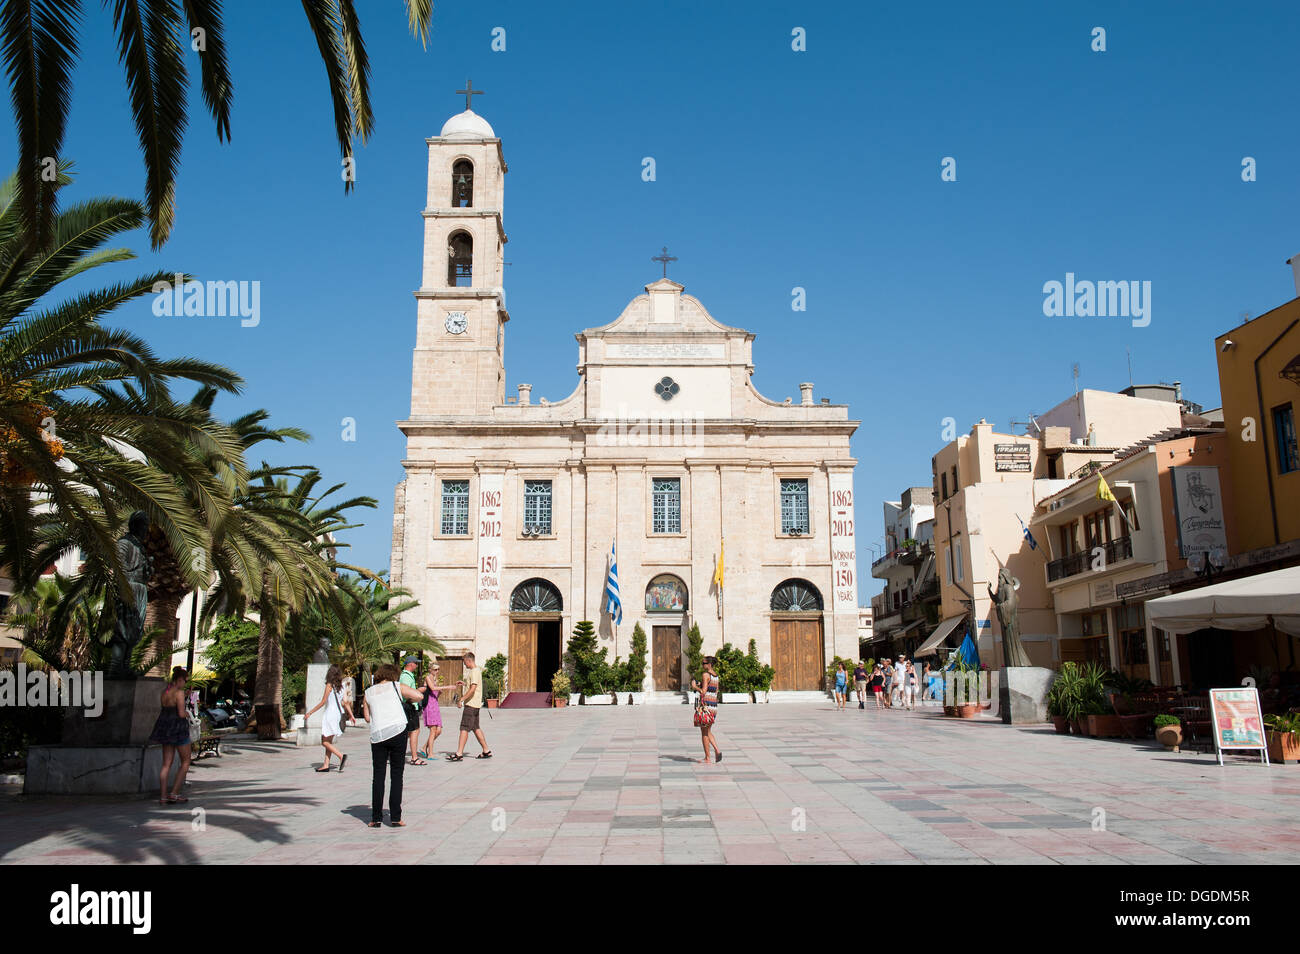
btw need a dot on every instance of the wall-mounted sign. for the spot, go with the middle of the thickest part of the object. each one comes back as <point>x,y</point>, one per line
<point>1012,458</point>
<point>1103,592</point>
<point>490,487</point>
<point>1198,508</point>
<point>844,556</point>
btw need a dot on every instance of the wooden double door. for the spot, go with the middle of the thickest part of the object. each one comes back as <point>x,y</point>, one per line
<point>534,656</point>
<point>798,654</point>
<point>666,658</point>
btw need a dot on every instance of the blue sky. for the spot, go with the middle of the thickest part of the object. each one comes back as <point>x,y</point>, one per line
<point>775,169</point>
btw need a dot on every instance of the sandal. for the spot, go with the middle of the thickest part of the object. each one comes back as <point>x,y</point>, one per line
<point>455,758</point>
<point>417,762</point>
<point>374,824</point>
<point>397,824</point>
<point>325,769</point>
<point>342,762</point>
<point>176,799</point>
<point>483,755</point>
<point>422,754</point>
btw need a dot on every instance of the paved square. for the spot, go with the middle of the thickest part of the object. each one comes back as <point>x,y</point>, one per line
<point>617,785</point>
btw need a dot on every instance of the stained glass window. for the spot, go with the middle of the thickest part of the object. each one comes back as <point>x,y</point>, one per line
<point>455,508</point>
<point>537,506</point>
<point>666,506</point>
<point>794,506</point>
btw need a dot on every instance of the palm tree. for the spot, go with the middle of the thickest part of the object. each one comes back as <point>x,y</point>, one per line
<point>276,556</point>
<point>39,46</point>
<point>88,429</point>
<point>370,629</point>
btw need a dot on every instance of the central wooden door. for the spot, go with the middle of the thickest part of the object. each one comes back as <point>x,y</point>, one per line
<point>523,656</point>
<point>797,654</point>
<point>666,656</point>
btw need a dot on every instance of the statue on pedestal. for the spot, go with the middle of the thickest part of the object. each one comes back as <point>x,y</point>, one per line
<point>130,615</point>
<point>1007,602</point>
<point>322,651</point>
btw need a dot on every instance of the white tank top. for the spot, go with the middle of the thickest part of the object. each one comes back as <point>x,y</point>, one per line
<point>387,716</point>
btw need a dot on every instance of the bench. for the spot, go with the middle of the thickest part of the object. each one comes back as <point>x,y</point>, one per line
<point>207,744</point>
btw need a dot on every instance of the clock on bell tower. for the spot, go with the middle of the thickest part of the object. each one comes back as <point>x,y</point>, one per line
<point>459,364</point>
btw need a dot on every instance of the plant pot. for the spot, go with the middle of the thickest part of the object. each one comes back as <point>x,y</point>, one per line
<point>1284,747</point>
<point>950,711</point>
<point>494,703</point>
<point>1105,726</point>
<point>1080,726</point>
<point>559,702</point>
<point>575,698</point>
<point>730,697</point>
<point>1170,736</point>
<point>759,695</point>
<point>1062,725</point>
<point>968,710</point>
<point>601,700</point>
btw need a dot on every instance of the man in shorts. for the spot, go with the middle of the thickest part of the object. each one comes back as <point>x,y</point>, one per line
<point>860,684</point>
<point>472,700</point>
<point>410,665</point>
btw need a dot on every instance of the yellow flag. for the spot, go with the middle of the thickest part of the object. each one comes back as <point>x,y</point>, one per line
<point>717,574</point>
<point>1103,489</point>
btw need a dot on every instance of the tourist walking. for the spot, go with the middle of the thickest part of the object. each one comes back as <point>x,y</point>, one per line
<point>410,665</point>
<point>172,732</point>
<point>899,685</point>
<point>841,686</point>
<point>878,684</point>
<point>472,702</point>
<point>887,670</point>
<point>386,713</point>
<point>706,709</point>
<point>331,723</point>
<point>432,711</point>
<point>860,684</point>
<point>909,686</point>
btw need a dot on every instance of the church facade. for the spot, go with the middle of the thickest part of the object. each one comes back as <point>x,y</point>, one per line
<point>664,458</point>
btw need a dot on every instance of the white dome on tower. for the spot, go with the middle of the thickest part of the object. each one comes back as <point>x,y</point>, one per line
<point>467,125</point>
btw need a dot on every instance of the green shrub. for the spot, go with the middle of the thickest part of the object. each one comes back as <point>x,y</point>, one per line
<point>694,655</point>
<point>1161,721</point>
<point>592,673</point>
<point>494,671</point>
<point>732,671</point>
<point>630,676</point>
<point>1287,722</point>
<point>760,674</point>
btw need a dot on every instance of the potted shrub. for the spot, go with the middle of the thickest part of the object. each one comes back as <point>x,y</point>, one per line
<point>1283,737</point>
<point>592,673</point>
<point>1169,731</point>
<point>632,673</point>
<point>1064,688</point>
<point>493,676</point>
<point>560,685</point>
<point>761,675</point>
<point>733,674</point>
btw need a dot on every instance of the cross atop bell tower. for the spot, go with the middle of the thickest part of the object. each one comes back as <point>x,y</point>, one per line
<point>459,366</point>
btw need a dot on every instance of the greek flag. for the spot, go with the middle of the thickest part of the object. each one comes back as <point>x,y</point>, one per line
<point>613,605</point>
<point>1029,537</point>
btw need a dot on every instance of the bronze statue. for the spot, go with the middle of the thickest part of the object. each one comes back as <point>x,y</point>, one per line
<point>130,616</point>
<point>1008,606</point>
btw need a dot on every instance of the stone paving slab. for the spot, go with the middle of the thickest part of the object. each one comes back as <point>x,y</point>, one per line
<point>618,785</point>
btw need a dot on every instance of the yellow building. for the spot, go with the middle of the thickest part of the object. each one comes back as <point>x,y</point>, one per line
<point>1259,377</point>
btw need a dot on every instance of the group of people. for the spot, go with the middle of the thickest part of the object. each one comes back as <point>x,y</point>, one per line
<point>892,682</point>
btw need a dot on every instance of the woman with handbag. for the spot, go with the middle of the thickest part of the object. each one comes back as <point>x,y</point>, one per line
<point>332,721</point>
<point>706,708</point>
<point>387,717</point>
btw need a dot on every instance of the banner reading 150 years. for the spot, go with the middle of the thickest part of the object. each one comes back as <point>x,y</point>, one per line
<point>490,489</point>
<point>844,557</point>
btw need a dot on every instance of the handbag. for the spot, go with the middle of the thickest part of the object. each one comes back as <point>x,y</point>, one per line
<point>342,715</point>
<point>704,715</point>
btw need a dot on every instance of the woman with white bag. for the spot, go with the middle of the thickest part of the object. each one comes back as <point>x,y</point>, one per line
<point>387,718</point>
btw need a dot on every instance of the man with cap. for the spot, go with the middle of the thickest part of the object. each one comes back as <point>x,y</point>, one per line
<point>411,665</point>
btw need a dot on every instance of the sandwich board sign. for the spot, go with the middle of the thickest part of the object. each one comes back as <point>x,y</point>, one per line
<point>1237,721</point>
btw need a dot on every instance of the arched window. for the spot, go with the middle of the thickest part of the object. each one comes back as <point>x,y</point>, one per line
<point>665,594</point>
<point>796,596</point>
<point>462,184</point>
<point>460,260</point>
<point>535,596</point>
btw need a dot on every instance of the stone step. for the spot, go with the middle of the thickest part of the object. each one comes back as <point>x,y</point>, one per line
<point>665,699</point>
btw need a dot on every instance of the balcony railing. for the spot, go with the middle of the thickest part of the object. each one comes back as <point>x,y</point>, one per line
<point>1121,548</point>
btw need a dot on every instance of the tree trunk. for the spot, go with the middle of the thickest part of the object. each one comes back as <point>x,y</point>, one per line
<point>270,665</point>
<point>161,615</point>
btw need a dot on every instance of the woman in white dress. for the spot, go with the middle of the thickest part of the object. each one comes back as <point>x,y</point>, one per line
<point>335,705</point>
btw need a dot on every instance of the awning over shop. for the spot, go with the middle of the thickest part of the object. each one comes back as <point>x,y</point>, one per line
<point>895,634</point>
<point>1243,604</point>
<point>941,632</point>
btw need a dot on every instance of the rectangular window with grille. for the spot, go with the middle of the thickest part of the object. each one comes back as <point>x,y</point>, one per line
<point>794,506</point>
<point>666,505</point>
<point>537,506</point>
<point>455,508</point>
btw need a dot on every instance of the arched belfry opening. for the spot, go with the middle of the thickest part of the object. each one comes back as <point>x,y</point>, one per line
<point>460,260</point>
<point>462,184</point>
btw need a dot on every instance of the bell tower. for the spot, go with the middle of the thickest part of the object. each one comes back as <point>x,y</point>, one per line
<point>459,362</point>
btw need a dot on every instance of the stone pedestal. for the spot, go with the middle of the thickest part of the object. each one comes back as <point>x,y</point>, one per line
<point>310,734</point>
<point>1022,694</point>
<point>93,769</point>
<point>131,708</point>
